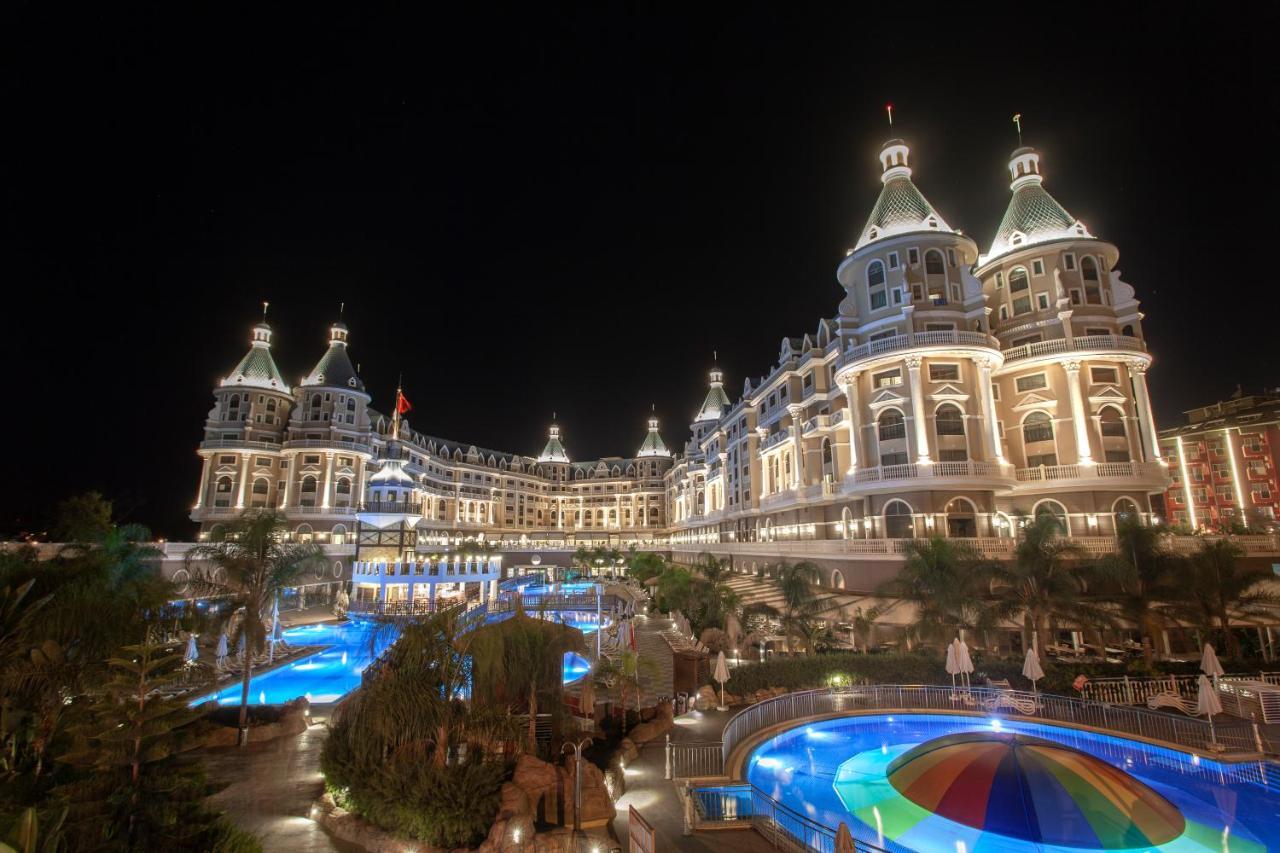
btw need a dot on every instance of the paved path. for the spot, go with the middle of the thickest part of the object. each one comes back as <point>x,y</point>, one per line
<point>272,786</point>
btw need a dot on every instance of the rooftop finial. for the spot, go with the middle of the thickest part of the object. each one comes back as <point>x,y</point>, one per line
<point>1017,122</point>
<point>889,109</point>
<point>265,303</point>
<point>342,308</point>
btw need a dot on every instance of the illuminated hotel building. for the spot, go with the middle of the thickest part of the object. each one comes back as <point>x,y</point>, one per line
<point>1223,462</point>
<point>953,393</point>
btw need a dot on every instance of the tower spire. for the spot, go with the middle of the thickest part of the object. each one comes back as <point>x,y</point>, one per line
<point>889,109</point>
<point>1017,122</point>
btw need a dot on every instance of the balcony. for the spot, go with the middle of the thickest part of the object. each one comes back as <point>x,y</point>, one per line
<point>397,507</point>
<point>1152,471</point>
<point>1082,343</point>
<point>237,444</point>
<point>937,470</point>
<point>817,423</point>
<point>327,444</point>
<point>918,340</point>
<point>774,440</point>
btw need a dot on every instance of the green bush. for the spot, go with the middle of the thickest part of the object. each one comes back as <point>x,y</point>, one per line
<point>804,672</point>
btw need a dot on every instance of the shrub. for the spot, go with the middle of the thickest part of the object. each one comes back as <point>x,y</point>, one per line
<point>926,667</point>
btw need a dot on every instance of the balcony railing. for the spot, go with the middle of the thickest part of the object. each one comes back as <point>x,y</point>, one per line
<point>395,507</point>
<point>775,439</point>
<point>914,470</point>
<point>237,444</point>
<point>1051,473</point>
<point>816,422</point>
<point>871,349</point>
<point>327,444</point>
<point>1077,344</point>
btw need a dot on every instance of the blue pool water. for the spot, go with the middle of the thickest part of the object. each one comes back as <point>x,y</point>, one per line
<point>335,671</point>
<point>1227,807</point>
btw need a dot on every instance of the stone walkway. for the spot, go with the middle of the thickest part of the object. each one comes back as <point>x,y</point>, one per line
<point>271,788</point>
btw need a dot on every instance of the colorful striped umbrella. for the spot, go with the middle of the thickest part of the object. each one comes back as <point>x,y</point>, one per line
<point>1035,790</point>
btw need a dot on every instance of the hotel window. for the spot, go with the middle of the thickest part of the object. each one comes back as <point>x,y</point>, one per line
<point>1069,261</point>
<point>887,379</point>
<point>1092,286</point>
<point>1037,267</point>
<point>1034,382</point>
<point>1018,280</point>
<point>951,257</point>
<point>893,260</point>
<point>1103,375</point>
<point>944,373</point>
<point>999,280</point>
<point>953,456</point>
<point>1048,460</point>
<point>1042,301</point>
<point>1037,427</point>
<point>913,256</point>
<point>262,461</point>
<point>933,263</point>
<point>1261,492</point>
<point>226,460</point>
<point>939,327</point>
<point>1004,312</point>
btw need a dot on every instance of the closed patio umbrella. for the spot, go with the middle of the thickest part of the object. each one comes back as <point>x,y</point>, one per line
<point>1209,663</point>
<point>721,675</point>
<point>220,656</point>
<point>1207,702</point>
<point>964,663</point>
<point>952,667</point>
<point>192,652</point>
<point>1031,668</point>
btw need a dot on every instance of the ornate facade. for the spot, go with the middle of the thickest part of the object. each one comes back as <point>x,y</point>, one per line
<point>321,455</point>
<point>952,394</point>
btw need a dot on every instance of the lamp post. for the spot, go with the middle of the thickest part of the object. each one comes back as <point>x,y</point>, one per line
<point>577,781</point>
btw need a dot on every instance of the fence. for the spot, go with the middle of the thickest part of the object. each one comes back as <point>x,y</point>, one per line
<point>786,829</point>
<point>1236,736</point>
<point>640,833</point>
<point>694,760</point>
<point>1136,691</point>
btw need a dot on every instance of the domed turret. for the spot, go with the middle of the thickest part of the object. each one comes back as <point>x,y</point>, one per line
<point>257,369</point>
<point>717,401</point>
<point>653,444</point>
<point>554,451</point>
<point>901,207</point>
<point>1033,216</point>
<point>334,369</point>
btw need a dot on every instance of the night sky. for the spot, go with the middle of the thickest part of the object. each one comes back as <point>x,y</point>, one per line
<point>537,211</point>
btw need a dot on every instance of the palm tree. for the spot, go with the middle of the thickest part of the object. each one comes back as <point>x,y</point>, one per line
<point>257,562</point>
<point>1044,582</point>
<point>946,583</point>
<point>711,567</point>
<point>623,671</point>
<point>1217,587</point>
<point>1141,580</point>
<point>796,582</point>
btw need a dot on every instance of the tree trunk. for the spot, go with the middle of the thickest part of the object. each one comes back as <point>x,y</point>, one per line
<point>1232,642</point>
<point>533,719</point>
<point>245,677</point>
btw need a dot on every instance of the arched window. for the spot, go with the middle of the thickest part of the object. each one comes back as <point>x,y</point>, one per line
<point>260,486</point>
<point>846,523</point>
<point>1056,510</point>
<point>224,485</point>
<point>961,518</point>
<point>309,484</point>
<point>898,523</point>
<point>303,533</point>
<point>351,404</point>
<point>1089,269</point>
<point>828,460</point>
<point>837,579</point>
<point>875,274</point>
<point>1018,280</point>
<point>1092,285</point>
<point>949,420</point>
<point>1037,427</point>
<point>337,537</point>
<point>1125,509</point>
<point>891,425</point>
<point>1019,292</point>
<point>1127,330</point>
<point>344,486</point>
<point>1115,439</point>
<point>933,263</point>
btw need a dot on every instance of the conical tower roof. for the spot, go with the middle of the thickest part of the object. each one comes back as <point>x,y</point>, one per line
<point>901,207</point>
<point>257,369</point>
<point>653,444</point>
<point>1033,216</point>
<point>716,402</point>
<point>554,451</point>
<point>334,369</point>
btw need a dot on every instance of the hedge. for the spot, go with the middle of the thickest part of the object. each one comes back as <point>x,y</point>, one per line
<point>803,672</point>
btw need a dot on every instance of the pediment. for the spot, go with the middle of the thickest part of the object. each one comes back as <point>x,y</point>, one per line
<point>1107,394</point>
<point>949,392</point>
<point>887,397</point>
<point>1036,401</point>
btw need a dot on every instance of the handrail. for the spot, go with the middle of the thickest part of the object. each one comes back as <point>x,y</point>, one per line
<point>1184,733</point>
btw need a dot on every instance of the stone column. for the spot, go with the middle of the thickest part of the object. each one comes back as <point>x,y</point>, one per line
<point>204,481</point>
<point>851,417</point>
<point>797,447</point>
<point>1138,372</point>
<point>1078,419</point>
<point>764,468</point>
<point>917,412</point>
<point>244,481</point>
<point>988,402</point>
<point>289,474</point>
<point>328,479</point>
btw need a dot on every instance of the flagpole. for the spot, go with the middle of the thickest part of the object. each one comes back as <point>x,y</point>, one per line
<point>395,416</point>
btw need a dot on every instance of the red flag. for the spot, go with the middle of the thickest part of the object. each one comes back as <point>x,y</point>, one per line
<point>402,404</point>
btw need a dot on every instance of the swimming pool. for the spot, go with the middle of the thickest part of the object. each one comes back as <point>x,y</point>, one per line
<point>834,771</point>
<point>330,674</point>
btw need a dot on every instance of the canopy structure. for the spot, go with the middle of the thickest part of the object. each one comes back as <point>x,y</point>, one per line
<point>1034,790</point>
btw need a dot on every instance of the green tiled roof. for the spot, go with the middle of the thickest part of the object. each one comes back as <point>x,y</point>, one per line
<point>653,444</point>
<point>334,369</point>
<point>901,207</point>
<point>554,451</point>
<point>258,369</point>
<point>1037,216</point>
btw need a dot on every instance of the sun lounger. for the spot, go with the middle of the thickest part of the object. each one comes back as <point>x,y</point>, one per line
<point>1172,700</point>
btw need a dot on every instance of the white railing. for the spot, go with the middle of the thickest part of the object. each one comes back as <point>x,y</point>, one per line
<point>236,443</point>
<point>914,470</point>
<point>1077,344</point>
<point>410,571</point>
<point>1136,691</point>
<point>775,439</point>
<point>1232,736</point>
<point>1051,473</point>
<point>815,423</point>
<point>327,444</point>
<point>916,340</point>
